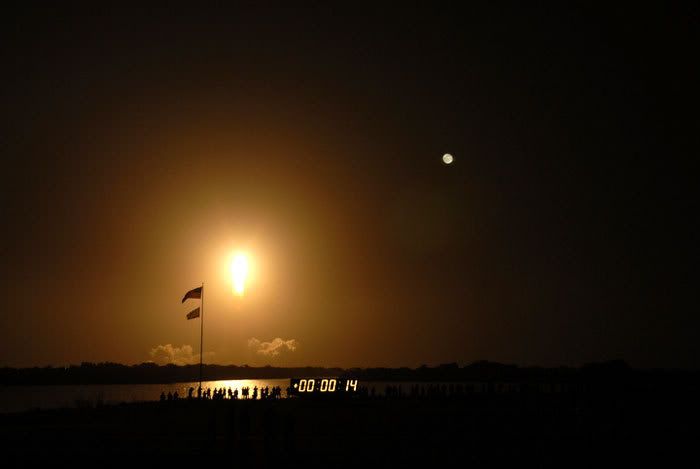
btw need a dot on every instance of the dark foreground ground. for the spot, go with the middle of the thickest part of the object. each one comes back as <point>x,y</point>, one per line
<point>537,430</point>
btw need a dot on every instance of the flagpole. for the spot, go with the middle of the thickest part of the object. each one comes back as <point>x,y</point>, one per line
<point>201,341</point>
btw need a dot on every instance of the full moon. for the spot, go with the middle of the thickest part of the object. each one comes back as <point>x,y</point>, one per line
<point>447,158</point>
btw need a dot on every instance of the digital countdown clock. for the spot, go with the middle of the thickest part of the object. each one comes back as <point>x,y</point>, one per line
<point>306,386</point>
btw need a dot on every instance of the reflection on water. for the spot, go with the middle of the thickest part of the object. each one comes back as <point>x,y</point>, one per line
<point>226,385</point>
<point>19,398</point>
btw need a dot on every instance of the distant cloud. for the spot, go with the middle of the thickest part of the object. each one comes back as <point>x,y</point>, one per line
<point>273,348</point>
<point>165,354</point>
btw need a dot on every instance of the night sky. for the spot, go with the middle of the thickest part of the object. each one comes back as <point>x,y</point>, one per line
<point>142,147</point>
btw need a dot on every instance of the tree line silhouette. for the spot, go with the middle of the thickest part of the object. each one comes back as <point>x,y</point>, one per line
<point>610,372</point>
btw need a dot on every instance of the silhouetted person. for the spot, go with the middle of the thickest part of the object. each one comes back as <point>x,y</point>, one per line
<point>176,396</point>
<point>162,396</point>
<point>190,392</point>
<point>170,396</point>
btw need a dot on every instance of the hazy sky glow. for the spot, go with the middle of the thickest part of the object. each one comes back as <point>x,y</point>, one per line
<point>143,149</point>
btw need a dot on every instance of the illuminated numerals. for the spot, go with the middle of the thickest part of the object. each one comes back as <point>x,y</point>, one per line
<point>307,385</point>
<point>353,384</point>
<point>325,385</point>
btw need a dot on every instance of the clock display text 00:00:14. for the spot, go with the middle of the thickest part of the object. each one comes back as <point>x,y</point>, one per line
<point>323,385</point>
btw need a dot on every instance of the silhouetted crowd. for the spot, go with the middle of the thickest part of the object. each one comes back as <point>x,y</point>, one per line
<point>431,391</point>
<point>393,391</point>
<point>218,394</point>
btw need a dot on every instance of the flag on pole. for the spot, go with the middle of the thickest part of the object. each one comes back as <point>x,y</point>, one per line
<point>193,314</point>
<point>194,293</point>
